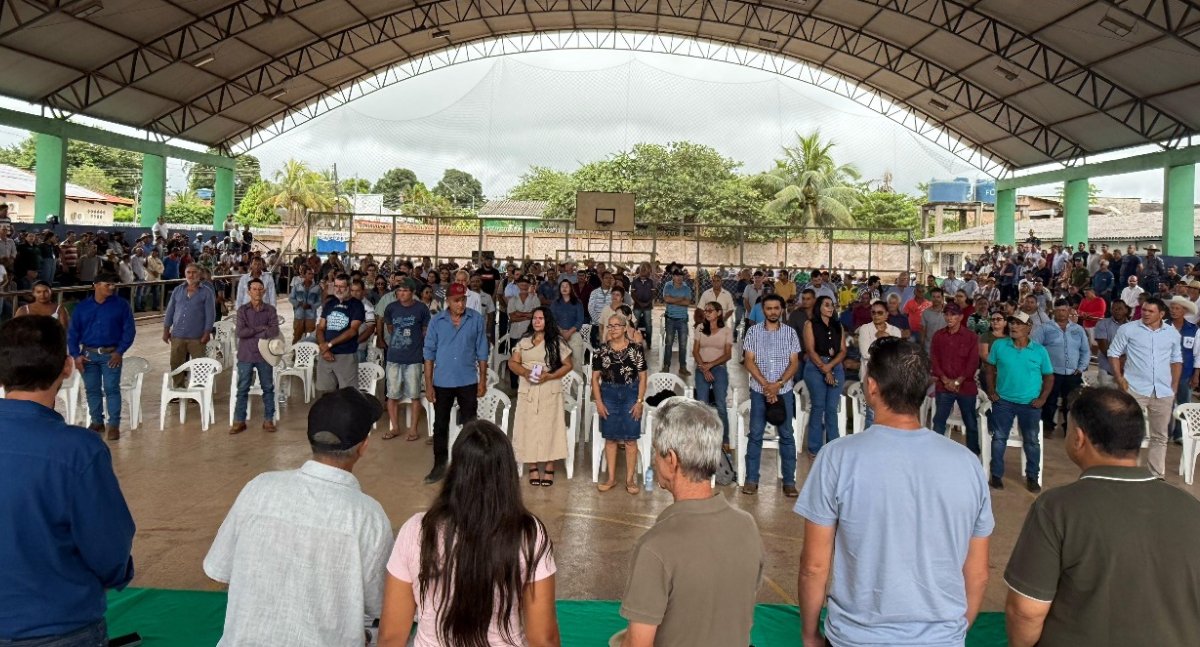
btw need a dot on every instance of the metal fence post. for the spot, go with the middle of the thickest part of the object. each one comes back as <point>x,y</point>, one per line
<point>610,247</point>
<point>831,250</point>
<point>870,238</point>
<point>696,234</point>
<point>437,236</point>
<point>523,232</point>
<point>741,247</point>
<point>392,259</point>
<point>908,253</point>
<point>479,223</point>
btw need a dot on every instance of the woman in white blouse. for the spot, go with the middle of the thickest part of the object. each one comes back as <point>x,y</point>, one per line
<point>867,334</point>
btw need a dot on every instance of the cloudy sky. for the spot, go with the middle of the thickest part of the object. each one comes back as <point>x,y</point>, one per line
<point>496,118</point>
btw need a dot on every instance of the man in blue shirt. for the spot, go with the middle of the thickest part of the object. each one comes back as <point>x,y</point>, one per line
<point>68,530</point>
<point>456,355</point>
<point>188,320</point>
<point>678,297</point>
<point>1020,378</point>
<point>337,338</point>
<point>1070,353</point>
<point>403,325</point>
<point>102,330</point>
<point>771,354</point>
<point>1189,378</point>
<point>1147,359</point>
<point>899,516</point>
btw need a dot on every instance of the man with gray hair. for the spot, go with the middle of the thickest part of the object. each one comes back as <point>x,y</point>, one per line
<point>695,574</point>
<point>311,532</point>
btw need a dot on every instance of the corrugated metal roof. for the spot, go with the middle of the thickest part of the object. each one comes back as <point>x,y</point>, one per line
<point>514,209</point>
<point>15,180</point>
<point>1144,226</point>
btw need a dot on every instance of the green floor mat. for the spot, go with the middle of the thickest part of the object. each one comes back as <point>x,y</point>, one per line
<point>168,618</point>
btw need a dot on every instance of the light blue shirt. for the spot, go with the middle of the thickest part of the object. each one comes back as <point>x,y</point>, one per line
<point>456,351</point>
<point>906,505</point>
<point>685,291</point>
<point>190,317</point>
<point>1069,349</point>
<point>1149,355</point>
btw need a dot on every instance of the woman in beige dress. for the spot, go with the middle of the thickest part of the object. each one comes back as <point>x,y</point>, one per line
<point>540,429</point>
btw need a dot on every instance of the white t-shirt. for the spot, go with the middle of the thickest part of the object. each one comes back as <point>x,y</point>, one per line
<point>1130,296</point>
<point>725,299</point>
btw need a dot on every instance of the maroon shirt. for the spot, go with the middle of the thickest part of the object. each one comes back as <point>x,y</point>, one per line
<point>955,356</point>
<point>249,323</point>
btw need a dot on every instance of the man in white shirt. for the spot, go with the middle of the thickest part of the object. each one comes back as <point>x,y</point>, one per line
<point>473,300</point>
<point>137,263</point>
<point>720,295</point>
<point>1130,294</point>
<point>256,272</point>
<point>160,229</point>
<point>1193,293</point>
<point>951,285</point>
<point>311,532</point>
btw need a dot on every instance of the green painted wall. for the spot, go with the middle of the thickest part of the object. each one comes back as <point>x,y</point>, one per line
<point>50,197</point>
<point>1005,225</point>
<point>1075,212</point>
<point>222,197</point>
<point>154,189</point>
<point>1179,210</point>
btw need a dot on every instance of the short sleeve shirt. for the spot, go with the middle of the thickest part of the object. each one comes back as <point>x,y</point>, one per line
<point>619,366</point>
<point>407,341</point>
<point>675,311</point>
<point>1019,371</point>
<point>773,350</point>
<point>338,316</point>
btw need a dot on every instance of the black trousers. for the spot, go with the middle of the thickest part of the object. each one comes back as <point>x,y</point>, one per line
<point>443,408</point>
<point>1064,387</point>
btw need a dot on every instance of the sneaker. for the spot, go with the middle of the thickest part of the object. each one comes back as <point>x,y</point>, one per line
<point>996,483</point>
<point>436,475</point>
<point>790,491</point>
<point>750,488</point>
<point>1032,486</point>
<point>114,433</point>
<point>237,428</point>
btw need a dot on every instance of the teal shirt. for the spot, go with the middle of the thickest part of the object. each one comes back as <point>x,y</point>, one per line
<point>685,291</point>
<point>1019,371</point>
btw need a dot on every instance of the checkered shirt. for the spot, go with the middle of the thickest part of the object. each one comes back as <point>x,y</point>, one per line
<point>773,350</point>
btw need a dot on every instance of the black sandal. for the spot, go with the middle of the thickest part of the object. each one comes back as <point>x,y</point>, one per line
<point>534,481</point>
<point>546,483</point>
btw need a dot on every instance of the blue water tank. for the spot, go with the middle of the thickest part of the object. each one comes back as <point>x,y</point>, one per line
<point>985,191</point>
<point>204,194</point>
<point>956,190</point>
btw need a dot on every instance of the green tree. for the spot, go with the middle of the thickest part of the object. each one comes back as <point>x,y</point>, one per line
<point>887,209</point>
<point>252,211</point>
<point>298,189</point>
<point>1093,192</point>
<point>809,188</point>
<point>739,202</point>
<point>122,214</point>
<point>418,200</point>
<point>91,178</point>
<point>185,207</point>
<point>392,185</point>
<point>355,185</point>
<point>123,167</point>
<point>460,187</point>
<point>203,176</point>
<point>545,184</point>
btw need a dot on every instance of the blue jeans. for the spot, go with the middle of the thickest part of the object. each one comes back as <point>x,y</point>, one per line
<point>823,414</point>
<point>645,320</point>
<point>966,406</point>
<point>787,437</point>
<point>103,385</point>
<point>1029,418</point>
<point>93,635</point>
<point>719,388</point>
<point>266,380</point>
<point>676,329</point>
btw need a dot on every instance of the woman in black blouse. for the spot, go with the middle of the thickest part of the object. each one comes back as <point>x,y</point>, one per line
<point>825,343</point>
<point>618,389</point>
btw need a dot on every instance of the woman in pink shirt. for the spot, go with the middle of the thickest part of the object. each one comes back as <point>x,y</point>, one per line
<point>477,568</point>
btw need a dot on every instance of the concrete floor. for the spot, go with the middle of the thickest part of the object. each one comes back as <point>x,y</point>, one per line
<point>181,482</point>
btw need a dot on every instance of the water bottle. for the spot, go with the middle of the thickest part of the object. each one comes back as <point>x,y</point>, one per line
<point>648,479</point>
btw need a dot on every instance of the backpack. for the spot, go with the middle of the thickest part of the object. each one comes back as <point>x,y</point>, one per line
<point>726,475</point>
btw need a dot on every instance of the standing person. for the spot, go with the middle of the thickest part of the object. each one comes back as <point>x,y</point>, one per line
<point>101,332</point>
<point>1091,310</point>
<point>1147,361</point>
<point>256,323</point>
<point>712,351</point>
<point>678,297</point>
<point>619,392</point>
<point>569,315</point>
<point>642,289</point>
<point>1082,551</point>
<point>70,530</point>
<point>771,355</point>
<point>1019,378</point>
<point>895,485</point>
<point>932,319</point>
<point>520,312</point>
<point>473,570</point>
<point>1106,330</point>
<point>1130,294</point>
<point>43,304</point>
<point>825,344</point>
<point>596,302</point>
<point>257,271</point>
<point>878,328</point>
<point>913,310</point>
<point>1070,354</point>
<point>722,296</point>
<point>337,540</point>
<point>337,338</point>
<point>542,358</point>
<point>1179,308</point>
<point>306,298</point>
<point>405,322</point>
<point>997,329</point>
<point>752,292</point>
<point>367,330</point>
<point>188,321</point>
<point>694,576</point>
<point>954,359</point>
<point>456,355</point>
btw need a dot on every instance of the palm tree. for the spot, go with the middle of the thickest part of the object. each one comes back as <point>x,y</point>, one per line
<point>298,189</point>
<point>808,188</point>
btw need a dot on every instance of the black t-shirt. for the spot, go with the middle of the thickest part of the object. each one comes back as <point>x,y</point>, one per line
<point>338,316</point>
<point>489,276</point>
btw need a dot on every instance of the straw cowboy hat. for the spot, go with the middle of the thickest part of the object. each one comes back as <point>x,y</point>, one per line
<point>1185,302</point>
<point>271,350</point>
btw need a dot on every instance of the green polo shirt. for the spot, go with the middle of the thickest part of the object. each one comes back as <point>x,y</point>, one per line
<point>1117,554</point>
<point>1019,371</point>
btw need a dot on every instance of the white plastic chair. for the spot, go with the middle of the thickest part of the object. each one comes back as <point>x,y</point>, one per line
<point>856,399</point>
<point>585,332</point>
<point>493,378</point>
<point>598,460</point>
<point>1188,417</point>
<point>493,406</point>
<point>368,380</point>
<point>655,383</point>
<point>302,366</point>
<point>573,402</point>
<point>227,341</point>
<point>800,418</point>
<point>741,441</point>
<point>255,389</point>
<point>71,392</point>
<point>202,375</point>
<point>1014,440</point>
<point>133,371</point>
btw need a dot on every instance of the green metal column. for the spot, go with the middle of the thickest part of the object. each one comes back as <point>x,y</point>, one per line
<point>1179,210</point>
<point>1005,225</point>
<point>1075,212</point>
<point>50,197</point>
<point>222,197</point>
<point>154,188</point>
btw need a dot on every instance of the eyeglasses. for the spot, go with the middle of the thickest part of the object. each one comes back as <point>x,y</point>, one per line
<point>994,319</point>
<point>612,326</point>
<point>709,310</point>
<point>879,312</point>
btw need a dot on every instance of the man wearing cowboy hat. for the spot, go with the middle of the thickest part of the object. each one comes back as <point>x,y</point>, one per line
<point>1153,270</point>
<point>1193,295</point>
<point>259,349</point>
<point>1179,308</point>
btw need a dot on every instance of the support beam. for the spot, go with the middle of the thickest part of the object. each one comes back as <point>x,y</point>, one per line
<point>1005,225</point>
<point>154,189</point>
<point>222,197</point>
<point>1179,210</point>
<point>1075,212</point>
<point>1147,162</point>
<point>50,198</point>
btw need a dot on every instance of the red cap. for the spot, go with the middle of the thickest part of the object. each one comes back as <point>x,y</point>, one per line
<point>457,290</point>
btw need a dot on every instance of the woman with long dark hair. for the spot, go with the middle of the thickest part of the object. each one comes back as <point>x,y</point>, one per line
<point>477,569</point>
<point>570,316</point>
<point>712,349</point>
<point>825,343</point>
<point>540,359</point>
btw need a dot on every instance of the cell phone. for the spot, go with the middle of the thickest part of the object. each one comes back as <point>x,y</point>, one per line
<point>128,640</point>
<point>536,372</point>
